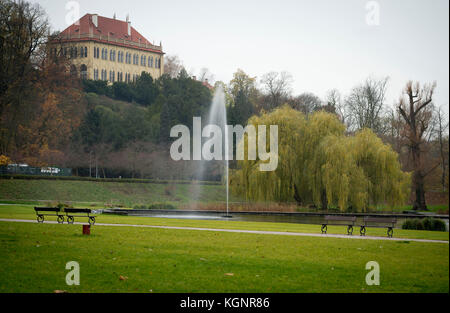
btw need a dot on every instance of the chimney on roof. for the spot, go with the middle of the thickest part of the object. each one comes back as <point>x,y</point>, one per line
<point>95,20</point>
<point>114,17</point>
<point>128,25</point>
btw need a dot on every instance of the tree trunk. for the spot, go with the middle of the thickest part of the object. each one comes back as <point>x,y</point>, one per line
<point>418,182</point>
<point>297,197</point>
<point>324,200</point>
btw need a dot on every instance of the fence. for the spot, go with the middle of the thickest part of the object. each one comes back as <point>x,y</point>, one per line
<point>38,171</point>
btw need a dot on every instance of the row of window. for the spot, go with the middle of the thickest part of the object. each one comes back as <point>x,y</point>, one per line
<point>72,52</point>
<point>103,75</point>
<point>82,52</point>
<point>143,60</point>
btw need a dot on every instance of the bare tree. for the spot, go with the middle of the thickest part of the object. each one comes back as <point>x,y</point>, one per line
<point>206,76</point>
<point>277,87</point>
<point>23,31</point>
<point>395,126</point>
<point>442,137</point>
<point>306,102</point>
<point>416,108</point>
<point>172,65</point>
<point>365,105</point>
<point>333,99</point>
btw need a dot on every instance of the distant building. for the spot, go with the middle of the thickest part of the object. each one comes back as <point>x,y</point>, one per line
<point>102,48</point>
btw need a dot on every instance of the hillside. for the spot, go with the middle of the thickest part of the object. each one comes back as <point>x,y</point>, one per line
<point>115,193</point>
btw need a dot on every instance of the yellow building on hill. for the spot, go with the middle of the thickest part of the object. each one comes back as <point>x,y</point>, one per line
<point>107,49</point>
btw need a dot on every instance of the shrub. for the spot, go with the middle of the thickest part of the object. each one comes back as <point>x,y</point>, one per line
<point>155,206</point>
<point>428,223</point>
<point>161,206</point>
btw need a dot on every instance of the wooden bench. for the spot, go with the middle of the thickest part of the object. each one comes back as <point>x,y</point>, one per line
<point>348,221</point>
<point>42,212</point>
<point>72,213</point>
<point>380,222</point>
<point>59,213</point>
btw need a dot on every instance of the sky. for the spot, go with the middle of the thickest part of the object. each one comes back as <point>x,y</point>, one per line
<point>324,44</point>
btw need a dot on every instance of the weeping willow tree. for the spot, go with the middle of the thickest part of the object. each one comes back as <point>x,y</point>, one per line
<point>281,184</point>
<point>319,164</point>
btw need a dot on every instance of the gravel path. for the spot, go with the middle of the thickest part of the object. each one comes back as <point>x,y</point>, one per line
<point>257,232</point>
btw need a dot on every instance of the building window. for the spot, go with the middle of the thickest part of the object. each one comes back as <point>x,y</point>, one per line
<point>83,70</point>
<point>112,55</point>
<point>83,52</point>
<point>73,52</point>
<point>96,53</point>
<point>143,60</point>
<point>95,74</point>
<point>150,61</point>
<point>112,76</point>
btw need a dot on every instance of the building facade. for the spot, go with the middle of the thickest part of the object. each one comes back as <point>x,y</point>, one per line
<point>101,48</point>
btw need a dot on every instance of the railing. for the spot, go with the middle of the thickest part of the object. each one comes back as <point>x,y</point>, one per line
<point>108,39</point>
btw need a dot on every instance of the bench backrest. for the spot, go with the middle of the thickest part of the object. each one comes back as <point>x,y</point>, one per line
<point>78,211</point>
<point>47,209</point>
<point>381,220</point>
<point>340,218</point>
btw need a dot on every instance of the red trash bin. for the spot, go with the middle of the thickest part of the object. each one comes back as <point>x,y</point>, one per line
<point>86,229</point>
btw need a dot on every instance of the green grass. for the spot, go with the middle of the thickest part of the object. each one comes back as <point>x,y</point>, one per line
<point>431,208</point>
<point>27,212</point>
<point>33,259</point>
<point>106,192</point>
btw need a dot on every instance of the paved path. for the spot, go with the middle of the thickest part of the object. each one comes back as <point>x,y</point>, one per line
<point>257,232</point>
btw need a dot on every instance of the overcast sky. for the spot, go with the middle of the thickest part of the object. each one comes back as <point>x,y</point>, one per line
<point>324,44</point>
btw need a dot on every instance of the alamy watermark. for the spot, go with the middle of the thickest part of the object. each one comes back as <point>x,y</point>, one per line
<point>213,148</point>
<point>373,13</point>
<point>373,276</point>
<point>73,276</point>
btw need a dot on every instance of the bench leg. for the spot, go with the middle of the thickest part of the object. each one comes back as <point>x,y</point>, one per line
<point>390,232</point>
<point>324,228</point>
<point>70,220</point>
<point>350,230</point>
<point>362,231</point>
<point>40,218</point>
<point>91,220</point>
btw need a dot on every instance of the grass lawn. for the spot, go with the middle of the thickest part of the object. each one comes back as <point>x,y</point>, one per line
<point>17,211</point>
<point>33,259</point>
<point>106,192</point>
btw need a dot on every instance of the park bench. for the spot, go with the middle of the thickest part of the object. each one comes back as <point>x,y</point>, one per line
<point>72,213</point>
<point>348,221</point>
<point>380,222</point>
<point>42,212</point>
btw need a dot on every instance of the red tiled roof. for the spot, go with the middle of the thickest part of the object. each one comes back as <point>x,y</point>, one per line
<point>113,28</point>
